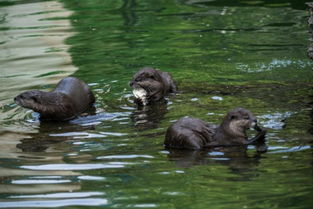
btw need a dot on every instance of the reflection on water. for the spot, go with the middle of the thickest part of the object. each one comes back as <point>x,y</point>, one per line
<point>55,203</point>
<point>222,54</point>
<point>148,117</point>
<point>236,158</point>
<point>32,52</point>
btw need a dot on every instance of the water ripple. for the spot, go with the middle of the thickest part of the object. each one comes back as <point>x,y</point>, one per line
<point>98,118</point>
<point>91,178</point>
<point>60,195</point>
<point>124,156</point>
<point>40,181</point>
<point>274,120</point>
<point>54,203</point>
<point>292,149</point>
<point>64,167</point>
<point>273,65</point>
<point>79,135</point>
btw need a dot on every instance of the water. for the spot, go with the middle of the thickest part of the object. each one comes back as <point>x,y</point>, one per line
<point>222,54</point>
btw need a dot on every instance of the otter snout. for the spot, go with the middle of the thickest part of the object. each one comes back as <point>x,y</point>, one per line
<point>131,83</point>
<point>18,99</point>
<point>257,128</point>
<point>254,125</point>
<point>134,84</point>
<point>253,122</point>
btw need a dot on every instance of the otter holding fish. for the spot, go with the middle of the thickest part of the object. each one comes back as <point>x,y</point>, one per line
<point>192,133</point>
<point>151,85</point>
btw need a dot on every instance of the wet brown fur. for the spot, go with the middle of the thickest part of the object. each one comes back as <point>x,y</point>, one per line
<point>70,98</point>
<point>192,133</point>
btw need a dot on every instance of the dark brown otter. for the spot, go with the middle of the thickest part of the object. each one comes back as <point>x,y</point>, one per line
<point>192,133</point>
<point>70,98</point>
<point>151,85</point>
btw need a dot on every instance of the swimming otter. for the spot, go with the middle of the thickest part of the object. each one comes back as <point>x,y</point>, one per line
<point>192,133</point>
<point>151,85</point>
<point>70,98</point>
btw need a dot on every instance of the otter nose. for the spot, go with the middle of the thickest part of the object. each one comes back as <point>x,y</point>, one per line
<point>17,98</point>
<point>253,122</point>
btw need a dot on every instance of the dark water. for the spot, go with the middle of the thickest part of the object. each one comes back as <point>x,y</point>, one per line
<point>222,54</point>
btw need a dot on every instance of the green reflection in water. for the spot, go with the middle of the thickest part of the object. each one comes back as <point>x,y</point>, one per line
<point>223,54</point>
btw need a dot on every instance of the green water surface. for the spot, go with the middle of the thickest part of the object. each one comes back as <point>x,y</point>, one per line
<point>221,53</point>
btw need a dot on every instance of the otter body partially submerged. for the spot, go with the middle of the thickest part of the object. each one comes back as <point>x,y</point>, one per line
<point>151,85</point>
<point>192,133</point>
<point>69,99</point>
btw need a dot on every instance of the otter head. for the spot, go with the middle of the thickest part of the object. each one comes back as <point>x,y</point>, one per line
<point>148,86</point>
<point>29,99</point>
<point>237,121</point>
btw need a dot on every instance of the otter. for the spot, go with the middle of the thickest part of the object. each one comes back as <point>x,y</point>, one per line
<point>151,85</point>
<point>192,133</point>
<point>69,99</point>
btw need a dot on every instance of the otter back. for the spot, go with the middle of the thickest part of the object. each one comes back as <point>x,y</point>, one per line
<point>78,91</point>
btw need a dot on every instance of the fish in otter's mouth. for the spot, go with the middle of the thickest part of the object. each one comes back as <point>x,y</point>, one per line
<point>151,85</point>
<point>256,127</point>
<point>141,95</point>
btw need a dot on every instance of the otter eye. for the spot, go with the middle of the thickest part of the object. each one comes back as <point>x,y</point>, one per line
<point>246,117</point>
<point>233,117</point>
<point>139,78</point>
<point>34,99</point>
<point>152,77</point>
